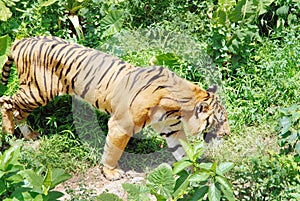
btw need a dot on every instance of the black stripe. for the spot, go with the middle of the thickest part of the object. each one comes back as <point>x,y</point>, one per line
<point>175,124</point>
<point>167,114</point>
<point>138,92</point>
<point>136,76</point>
<point>169,133</point>
<point>107,70</point>
<point>87,87</point>
<point>119,71</point>
<point>173,149</point>
<point>109,81</point>
<point>160,87</point>
<point>33,96</point>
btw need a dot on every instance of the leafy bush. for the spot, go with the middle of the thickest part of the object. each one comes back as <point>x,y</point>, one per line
<point>206,182</point>
<point>267,178</point>
<point>289,127</point>
<point>19,183</point>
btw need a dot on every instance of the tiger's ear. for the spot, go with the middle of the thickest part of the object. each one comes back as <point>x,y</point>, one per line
<point>212,89</point>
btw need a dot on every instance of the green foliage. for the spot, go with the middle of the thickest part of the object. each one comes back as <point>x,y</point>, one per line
<point>136,192</point>
<point>206,179</point>
<point>5,12</point>
<point>19,183</point>
<point>108,197</point>
<point>206,182</point>
<point>276,177</point>
<point>289,125</point>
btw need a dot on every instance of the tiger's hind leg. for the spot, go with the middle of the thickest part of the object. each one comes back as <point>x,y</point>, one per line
<point>7,116</point>
<point>14,110</point>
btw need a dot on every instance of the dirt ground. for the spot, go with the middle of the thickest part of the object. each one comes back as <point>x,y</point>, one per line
<point>93,182</point>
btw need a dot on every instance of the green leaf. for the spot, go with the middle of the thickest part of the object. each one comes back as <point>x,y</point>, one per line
<point>161,180</point>
<point>224,182</point>
<point>59,176</point>
<point>47,3</point>
<point>168,59</point>
<point>228,193</point>
<point>285,123</point>
<point>108,197</point>
<point>54,195</point>
<point>224,167</point>
<point>5,13</point>
<point>34,180</point>
<point>262,5</point>
<point>283,11</point>
<point>47,181</point>
<point>200,193</point>
<point>181,165</point>
<point>136,192</point>
<point>188,149</point>
<point>206,166</point>
<point>214,193</point>
<point>182,184</point>
<point>4,43</point>
<point>10,158</point>
<point>297,147</point>
<point>112,22</point>
<point>199,177</point>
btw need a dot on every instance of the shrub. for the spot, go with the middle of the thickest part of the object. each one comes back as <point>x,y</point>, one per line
<point>19,183</point>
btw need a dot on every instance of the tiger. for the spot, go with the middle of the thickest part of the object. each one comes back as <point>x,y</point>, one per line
<point>134,97</point>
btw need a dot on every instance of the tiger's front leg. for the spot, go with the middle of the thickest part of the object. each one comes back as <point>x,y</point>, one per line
<point>115,144</point>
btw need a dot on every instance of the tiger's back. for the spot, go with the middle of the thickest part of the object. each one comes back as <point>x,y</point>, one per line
<point>134,97</point>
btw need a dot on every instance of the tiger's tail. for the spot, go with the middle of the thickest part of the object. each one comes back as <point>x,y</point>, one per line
<point>6,70</point>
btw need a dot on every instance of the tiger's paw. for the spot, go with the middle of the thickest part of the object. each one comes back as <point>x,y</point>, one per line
<point>113,174</point>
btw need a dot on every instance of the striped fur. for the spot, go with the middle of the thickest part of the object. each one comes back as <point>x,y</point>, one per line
<point>134,97</point>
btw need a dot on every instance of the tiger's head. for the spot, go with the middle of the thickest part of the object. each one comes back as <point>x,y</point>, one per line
<point>208,117</point>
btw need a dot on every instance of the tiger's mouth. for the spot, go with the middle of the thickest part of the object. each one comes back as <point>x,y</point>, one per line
<point>209,135</point>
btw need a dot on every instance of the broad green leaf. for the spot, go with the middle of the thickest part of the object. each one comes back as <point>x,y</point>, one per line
<point>112,22</point>
<point>58,176</point>
<point>136,192</point>
<point>200,193</point>
<point>4,40</point>
<point>182,183</point>
<point>34,180</point>
<point>54,195</point>
<point>214,193</point>
<point>224,167</point>
<point>283,11</point>
<point>188,149</point>
<point>108,197</point>
<point>181,165</point>
<point>224,182</point>
<point>169,59</point>
<point>262,5</point>
<point>5,13</point>
<point>199,177</point>
<point>3,186</point>
<point>285,123</point>
<point>161,180</point>
<point>206,166</point>
<point>228,193</point>
<point>10,157</point>
<point>2,173</point>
